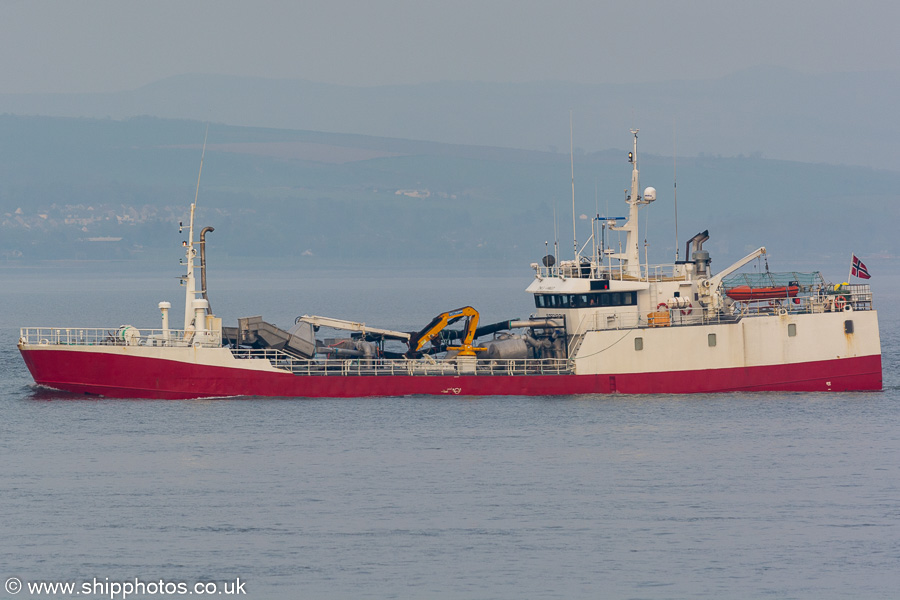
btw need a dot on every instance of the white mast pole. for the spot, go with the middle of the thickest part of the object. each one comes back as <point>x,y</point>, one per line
<point>555,237</point>
<point>675,180</point>
<point>572,161</point>
<point>190,292</point>
<point>631,256</point>
<point>594,233</point>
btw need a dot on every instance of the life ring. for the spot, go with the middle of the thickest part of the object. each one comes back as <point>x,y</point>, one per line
<point>839,303</point>
<point>662,305</point>
<point>688,310</point>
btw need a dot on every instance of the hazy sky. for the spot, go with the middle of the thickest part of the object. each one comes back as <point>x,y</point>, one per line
<point>111,45</point>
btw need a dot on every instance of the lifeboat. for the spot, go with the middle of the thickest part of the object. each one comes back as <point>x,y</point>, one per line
<point>745,293</point>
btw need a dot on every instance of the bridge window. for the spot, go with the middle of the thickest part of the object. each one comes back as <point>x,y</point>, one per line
<point>587,300</point>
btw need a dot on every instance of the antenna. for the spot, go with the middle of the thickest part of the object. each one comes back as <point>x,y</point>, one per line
<point>555,234</point>
<point>675,181</point>
<point>197,193</point>
<point>572,161</point>
<point>596,255</point>
<point>608,256</point>
<point>646,245</point>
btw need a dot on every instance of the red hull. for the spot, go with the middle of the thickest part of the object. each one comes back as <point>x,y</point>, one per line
<point>136,377</point>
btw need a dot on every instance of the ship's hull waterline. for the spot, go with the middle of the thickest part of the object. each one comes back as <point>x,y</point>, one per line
<point>135,376</point>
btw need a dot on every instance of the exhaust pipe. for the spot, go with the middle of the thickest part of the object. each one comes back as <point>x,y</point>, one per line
<point>203,265</point>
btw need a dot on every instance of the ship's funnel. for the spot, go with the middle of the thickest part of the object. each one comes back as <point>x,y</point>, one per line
<point>695,244</point>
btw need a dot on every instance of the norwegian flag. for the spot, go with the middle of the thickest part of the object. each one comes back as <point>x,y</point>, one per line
<point>858,269</point>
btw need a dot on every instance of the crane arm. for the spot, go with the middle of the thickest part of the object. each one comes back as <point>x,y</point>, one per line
<point>440,322</point>
<point>713,282</point>
<point>710,295</point>
<point>318,321</point>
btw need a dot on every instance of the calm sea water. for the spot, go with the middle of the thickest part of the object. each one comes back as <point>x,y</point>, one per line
<point>719,496</point>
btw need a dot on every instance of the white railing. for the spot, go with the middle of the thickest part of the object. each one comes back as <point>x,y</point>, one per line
<point>124,335</point>
<point>386,367</point>
<point>850,297</point>
<point>857,295</point>
<point>599,321</point>
<point>595,270</point>
<point>602,321</point>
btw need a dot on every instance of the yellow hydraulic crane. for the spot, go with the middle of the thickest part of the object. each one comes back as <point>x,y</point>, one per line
<point>439,323</point>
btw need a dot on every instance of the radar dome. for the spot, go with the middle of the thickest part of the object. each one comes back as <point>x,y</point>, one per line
<point>650,194</point>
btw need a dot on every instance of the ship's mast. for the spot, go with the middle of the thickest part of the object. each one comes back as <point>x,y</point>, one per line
<point>190,288</point>
<point>631,257</point>
<point>190,284</point>
<point>572,164</point>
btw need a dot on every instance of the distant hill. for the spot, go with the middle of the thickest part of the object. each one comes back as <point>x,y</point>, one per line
<point>843,118</point>
<point>85,188</point>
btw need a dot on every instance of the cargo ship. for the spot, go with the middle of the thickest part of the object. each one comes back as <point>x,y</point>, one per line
<point>603,323</point>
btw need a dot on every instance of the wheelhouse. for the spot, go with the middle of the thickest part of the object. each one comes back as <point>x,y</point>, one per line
<point>586,300</point>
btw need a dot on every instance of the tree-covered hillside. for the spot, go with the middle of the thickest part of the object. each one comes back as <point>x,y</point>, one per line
<point>82,188</point>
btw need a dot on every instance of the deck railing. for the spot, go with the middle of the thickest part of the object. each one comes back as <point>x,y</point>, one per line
<point>124,335</point>
<point>848,297</point>
<point>387,367</point>
<point>130,336</point>
<point>596,270</point>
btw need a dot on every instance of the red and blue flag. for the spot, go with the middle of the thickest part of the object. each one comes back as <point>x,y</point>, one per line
<point>858,269</point>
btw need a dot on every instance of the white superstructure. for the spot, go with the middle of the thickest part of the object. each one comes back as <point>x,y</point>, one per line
<point>625,317</point>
